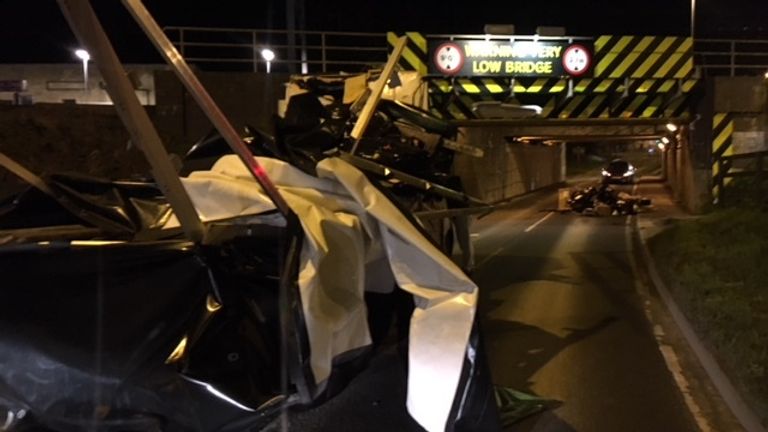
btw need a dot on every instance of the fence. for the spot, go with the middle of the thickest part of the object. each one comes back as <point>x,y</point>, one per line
<point>731,57</point>
<point>332,52</point>
<point>745,165</point>
<point>297,51</point>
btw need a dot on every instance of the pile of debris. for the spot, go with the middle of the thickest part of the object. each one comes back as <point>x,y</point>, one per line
<point>603,200</point>
<point>215,300</point>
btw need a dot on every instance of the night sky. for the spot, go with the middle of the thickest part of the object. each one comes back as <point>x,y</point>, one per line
<point>35,30</point>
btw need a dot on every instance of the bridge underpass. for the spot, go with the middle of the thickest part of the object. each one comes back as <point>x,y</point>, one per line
<point>524,155</point>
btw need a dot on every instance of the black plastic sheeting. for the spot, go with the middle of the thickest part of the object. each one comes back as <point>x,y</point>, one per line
<point>118,208</point>
<point>87,331</point>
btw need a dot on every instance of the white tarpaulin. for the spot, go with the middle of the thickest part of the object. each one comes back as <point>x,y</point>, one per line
<point>357,240</point>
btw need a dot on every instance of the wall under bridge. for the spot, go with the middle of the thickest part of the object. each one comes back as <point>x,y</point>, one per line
<point>729,118</point>
<point>507,168</point>
<point>516,161</point>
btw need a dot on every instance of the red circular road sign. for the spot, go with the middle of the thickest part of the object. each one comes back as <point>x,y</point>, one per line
<point>449,58</point>
<point>577,60</point>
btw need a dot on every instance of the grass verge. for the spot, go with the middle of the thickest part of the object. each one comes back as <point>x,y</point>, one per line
<point>717,270</point>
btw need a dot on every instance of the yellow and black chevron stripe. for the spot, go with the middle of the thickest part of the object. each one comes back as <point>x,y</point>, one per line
<point>414,56</point>
<point>643,57</point>
<point>453,99</point>
<point>503,86</point>
<point>722,138</point>
<point>579,106</point>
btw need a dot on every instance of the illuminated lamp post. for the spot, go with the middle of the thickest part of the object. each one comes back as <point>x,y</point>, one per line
<point>268,55</point>
<point>85,57</point>
<point>693,17</point>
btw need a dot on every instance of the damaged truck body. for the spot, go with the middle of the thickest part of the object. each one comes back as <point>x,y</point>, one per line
<point>218,296</point>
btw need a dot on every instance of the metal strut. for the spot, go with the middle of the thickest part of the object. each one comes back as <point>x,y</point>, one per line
<point>86,26</point>
<point>204,100</point>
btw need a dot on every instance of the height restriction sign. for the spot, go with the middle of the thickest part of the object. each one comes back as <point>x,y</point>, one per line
<point>510,58</point>
<point>577,60</point>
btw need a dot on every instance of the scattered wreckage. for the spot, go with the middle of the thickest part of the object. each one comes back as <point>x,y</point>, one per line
<point>604,200</point>
<point>216,300</point>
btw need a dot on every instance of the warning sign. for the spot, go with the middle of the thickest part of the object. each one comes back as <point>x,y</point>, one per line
<point>520,58</point>
<point>449,58</point>
<point>577,60</point>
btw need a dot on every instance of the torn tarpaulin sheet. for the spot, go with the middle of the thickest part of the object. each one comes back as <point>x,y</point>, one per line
<point>358,240</point>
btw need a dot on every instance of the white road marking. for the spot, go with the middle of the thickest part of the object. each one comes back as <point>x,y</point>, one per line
<point>673,364</point>
<point>748,419</point>
<point>530,228</point>
<point>667,352</point>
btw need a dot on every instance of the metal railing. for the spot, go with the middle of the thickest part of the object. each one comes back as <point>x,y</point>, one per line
<point>731,57</point>
<point>745,165</point>
<point>297,51</point>
<point>332,52</point>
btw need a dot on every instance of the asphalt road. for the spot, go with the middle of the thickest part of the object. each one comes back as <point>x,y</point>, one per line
<point>563,319</point>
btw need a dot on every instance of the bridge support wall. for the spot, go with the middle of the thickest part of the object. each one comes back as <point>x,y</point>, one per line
<point>728,118</point>
<point>508,168</point>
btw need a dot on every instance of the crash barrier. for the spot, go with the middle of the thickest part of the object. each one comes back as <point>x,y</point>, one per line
<point>722,138</point>
<point>632,77</point>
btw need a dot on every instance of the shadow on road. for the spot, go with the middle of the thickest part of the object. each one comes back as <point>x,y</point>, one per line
<point>533,348</point>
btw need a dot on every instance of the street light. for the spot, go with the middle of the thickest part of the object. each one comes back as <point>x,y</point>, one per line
<point>85,57</point>
<point>268,55</point>
<point>693,17</point>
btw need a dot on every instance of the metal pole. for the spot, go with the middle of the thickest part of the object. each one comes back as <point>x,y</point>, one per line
<point>378,87</point>
<point>693,18</point>
<point>181,41</point>
<point>86,26</point>
<point>204,100</point>
<point>302,18</point>
<point>322,50</point>
<point>85,75</point>
<point>253,52</point>
<point>25,174</point>
<point>290,20</point>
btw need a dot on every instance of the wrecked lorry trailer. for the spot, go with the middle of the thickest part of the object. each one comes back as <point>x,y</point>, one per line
<point>116,332</point>
<point>218,300</point>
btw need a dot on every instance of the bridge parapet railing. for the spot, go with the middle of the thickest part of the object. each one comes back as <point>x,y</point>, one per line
<point>319,52</point>
<point>731,57</point>
<point>313,52</point>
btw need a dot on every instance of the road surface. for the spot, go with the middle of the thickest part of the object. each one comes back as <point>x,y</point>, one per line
<point>564,319</point>
<point>563,315</point>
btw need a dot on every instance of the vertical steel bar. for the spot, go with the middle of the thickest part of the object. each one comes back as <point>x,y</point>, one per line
<point>733,58</point>
<point>204,100</point>
<point>693,18</point>
<point>181,42</point>
<point>86,26</point>
<point>322,51</point>
<point>370,105</point>
<point>254,51</point>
